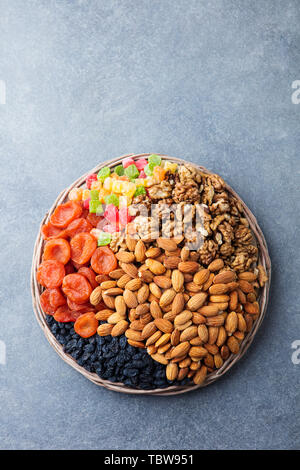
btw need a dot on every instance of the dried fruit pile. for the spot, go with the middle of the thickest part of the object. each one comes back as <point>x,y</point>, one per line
<point>112,280</point>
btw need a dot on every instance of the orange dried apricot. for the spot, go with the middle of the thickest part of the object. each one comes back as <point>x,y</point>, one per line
<point>78,226</point>
<point>65,213</point>
<point>49,232</point>
<point>83,246</point>
<point>50,273</point>
<point>77,288</point>
<point>86,325</point>
<point>90,275</point>
<point>45,302</point>
<point>94,219</point>
<point>58,249</point>
<point>64,314</point>
<point>103,260</point>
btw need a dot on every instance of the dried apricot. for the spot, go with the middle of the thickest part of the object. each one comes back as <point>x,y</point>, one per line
<point>49,232</point>
<point>94,219</point>
<point>65,213</point>
<point>78,226</point>
<point>83,308</point>
<point>86,325</point>
<point>57,298</point>
<point>103,260</point>
<point>45,302</point>
<point>83,246</point>
<point>64,314</point>
<point>77,288</point>
<point>51,273</point>
<point>78,265</point>
<point>58,249</point>
<point>90,275</point>
<point>69,268</point>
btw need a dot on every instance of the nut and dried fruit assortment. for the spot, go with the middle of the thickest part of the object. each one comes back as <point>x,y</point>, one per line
<point>156,298</point>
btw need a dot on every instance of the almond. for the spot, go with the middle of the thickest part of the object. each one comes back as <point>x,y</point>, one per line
<point>198,319</point>
<point>233,344</point>
<point>160,358</point>
<point>184,326</point>
<point>103,315</point>
<point>216,265</point>
<point>185,362</point>
<point>125,257</point>
<point>164,339</point>
<point>130,298</point>
<point>96,296</point>
<point>252,308</point>
<point>171,262</point>
<point>133,284</point>
<point>155,309</point>
<point>242,325</point>
<point>198,352</point>
<point>203,333</point>
<point>196,301</point>
<point>108,284</point>
<point>140,251</point>
<point>185,253</point>
<point>153,338</point>
<point>188,266</point>
<point>209,282</point>
<point>172,371</point>
<point>113,291</point>
<point>219,298</point>
<point>136,344</point>
<point>130,242</point>
<point>218,289</point>
<point>248,276</point>
<point>177,280</point>
<point>225,277</point>
<point>175,337</point>
<point>137,325</point>
<point>119,328</point>
<point>153,252</point>
<point>189,333</point>
<point>141,309</point>
<point>183,318</point>
<point>123,280</point>
<point>155,266</point>
<point>218,361</point>
<point>191,287</point>
<point>211,348</point>
<point>218,320</point>
<point>163,281</point>
<point>225,352</point>
<point>149,330</point>
<point>233,300</point>
<point>120,305</point>
<point>201,276</point>
<point>146,276</point>
<point>231,323</point>
<point>108,300</point>
<point>115,274</point>
<point>167,297</point>
<point>167,244</point>
<point>133,334</point>
<point>245,286</point>
<point>163,325</point>
<point>129,269</point>
<point>115,318</point>
<point>105,329</point>
<point>200,375</point>
<point>180,350</point>
<point>146,318</point>
<point>182,373</point>
<point>213,332</point>
<point>143,294</point>
<point>155,290</point>
<point>222,336</point>
<point>178,304</point>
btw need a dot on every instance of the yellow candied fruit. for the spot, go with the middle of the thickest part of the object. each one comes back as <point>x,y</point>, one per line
<point>96,185</point>
<point>129,189</point>
<point>75,194</point>
<point>102,193</point>
<point>172,167</point>
<point>124,201</point>
<point>108,183</point>
<point>86,194</point>
<point>117,186</point>
<point>140,182</point>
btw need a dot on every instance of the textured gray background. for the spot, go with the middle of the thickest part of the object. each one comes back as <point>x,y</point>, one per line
<point>209,81</point>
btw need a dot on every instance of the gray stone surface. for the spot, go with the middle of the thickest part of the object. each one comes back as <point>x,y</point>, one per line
<point>207,81</point>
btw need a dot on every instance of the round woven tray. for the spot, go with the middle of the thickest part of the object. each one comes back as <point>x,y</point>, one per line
<point>37,289</point>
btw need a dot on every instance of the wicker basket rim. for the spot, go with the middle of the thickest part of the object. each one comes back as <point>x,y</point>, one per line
<point>36,290</point>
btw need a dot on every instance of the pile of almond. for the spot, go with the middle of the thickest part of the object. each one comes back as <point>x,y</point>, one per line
<point>189,318</point>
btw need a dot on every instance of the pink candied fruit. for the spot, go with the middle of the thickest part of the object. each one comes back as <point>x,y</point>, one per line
<point>124,217</point>
<point>86,204</point>
<point>89,180</point>
<point>127,162</point>
<point>142,174</point>
<point>141,163</point>
<point>111,228</point>
<point>111,213</point>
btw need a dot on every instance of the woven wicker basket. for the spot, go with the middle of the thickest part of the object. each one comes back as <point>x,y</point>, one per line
<point>36,289</point>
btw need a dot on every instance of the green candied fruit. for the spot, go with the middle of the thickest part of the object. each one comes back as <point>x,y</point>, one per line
<point>112,199</point>
<point>140,190</point>
<point>148,170</point>
<point>132,172</point>
<point>103,173</point>
<point>154,160</point>
<point>94,195</point>
<point>96,207</point>
<point>104,239</point>
<point>119,170</point>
